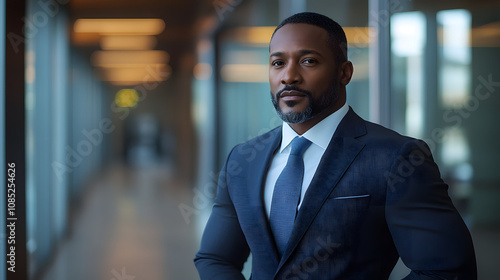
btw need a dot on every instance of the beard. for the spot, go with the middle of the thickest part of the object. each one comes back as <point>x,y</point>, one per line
<point>314,107</point>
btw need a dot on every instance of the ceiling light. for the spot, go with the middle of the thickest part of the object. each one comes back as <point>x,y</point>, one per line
<point>128,42</point>
<point>245,73</point>
<point>128,26</point>
<point>129,58</point>
<point>359,36</point>
<point>253,35</point>
<point>136,75</point>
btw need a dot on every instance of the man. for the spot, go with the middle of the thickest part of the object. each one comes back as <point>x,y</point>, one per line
<point>329,195</point>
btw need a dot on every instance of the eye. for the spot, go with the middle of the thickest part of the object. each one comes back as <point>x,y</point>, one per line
<point>309,61</point>
<point>277,63</point>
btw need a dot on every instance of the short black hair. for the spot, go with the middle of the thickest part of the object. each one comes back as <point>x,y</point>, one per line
<point>336,35</point>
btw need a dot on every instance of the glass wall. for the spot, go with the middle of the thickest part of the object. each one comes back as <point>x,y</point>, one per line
<point>445,80</point>
<point>244,103</point>
<point>64,146</point>
<point>443,90</point>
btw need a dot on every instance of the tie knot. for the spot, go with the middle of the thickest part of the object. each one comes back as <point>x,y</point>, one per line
<point>299,145</point>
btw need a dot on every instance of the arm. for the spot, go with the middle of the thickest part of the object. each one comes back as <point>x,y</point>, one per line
<point>224,249</point>
<point>429,234</point>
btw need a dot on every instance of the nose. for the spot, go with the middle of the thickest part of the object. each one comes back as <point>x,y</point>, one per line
<point>291,75</point>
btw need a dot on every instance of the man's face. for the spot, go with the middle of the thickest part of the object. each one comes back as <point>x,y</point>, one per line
<point>302,72</point>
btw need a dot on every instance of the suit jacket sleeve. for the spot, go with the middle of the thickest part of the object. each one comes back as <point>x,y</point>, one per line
<point>429,234</point>
<point>224,249</point>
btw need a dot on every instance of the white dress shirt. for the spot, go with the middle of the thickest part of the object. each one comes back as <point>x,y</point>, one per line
<point>320,136</point>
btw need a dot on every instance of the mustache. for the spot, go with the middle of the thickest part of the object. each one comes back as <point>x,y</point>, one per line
<point>294,88</point>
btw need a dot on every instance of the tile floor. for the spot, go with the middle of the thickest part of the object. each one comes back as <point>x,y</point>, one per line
<point>129,228</point>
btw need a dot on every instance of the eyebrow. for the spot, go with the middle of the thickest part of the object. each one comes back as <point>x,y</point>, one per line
<point>276,54</point>
<point>300,51</point>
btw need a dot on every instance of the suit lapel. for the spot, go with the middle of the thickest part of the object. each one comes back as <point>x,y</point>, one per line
<point>339,155</point>
<point>259,167</point>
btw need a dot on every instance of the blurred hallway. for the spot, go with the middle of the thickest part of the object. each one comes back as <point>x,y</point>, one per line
<point>128,227</point>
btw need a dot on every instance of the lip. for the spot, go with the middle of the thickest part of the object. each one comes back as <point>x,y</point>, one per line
<point>291,95</point>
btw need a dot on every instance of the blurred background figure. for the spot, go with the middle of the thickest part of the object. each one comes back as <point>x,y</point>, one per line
<point>143,141</point>
<point>122,112</point>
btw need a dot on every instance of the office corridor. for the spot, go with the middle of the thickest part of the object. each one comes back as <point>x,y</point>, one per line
<point>129,227</point>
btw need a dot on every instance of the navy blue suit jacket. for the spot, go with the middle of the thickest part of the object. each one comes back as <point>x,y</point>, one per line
<point>376,195</point>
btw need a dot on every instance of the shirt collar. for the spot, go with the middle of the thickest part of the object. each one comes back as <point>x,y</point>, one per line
<point>320,134</point>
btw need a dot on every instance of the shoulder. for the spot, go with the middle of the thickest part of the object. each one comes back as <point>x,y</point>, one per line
<point>379,134</point>
<point>381,141</point>
<point>387,143</point>
<point>370,133</point>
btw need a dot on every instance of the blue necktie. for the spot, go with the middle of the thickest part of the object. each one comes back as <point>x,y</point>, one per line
<point>286,195</point>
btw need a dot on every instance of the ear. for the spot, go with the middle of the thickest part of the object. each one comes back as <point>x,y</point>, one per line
<point>345,73</point>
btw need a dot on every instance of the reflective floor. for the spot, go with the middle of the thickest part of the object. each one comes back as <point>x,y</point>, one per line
<point>129,227</point>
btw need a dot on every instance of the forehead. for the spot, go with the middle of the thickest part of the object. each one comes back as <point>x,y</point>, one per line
<point>299,36</point>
